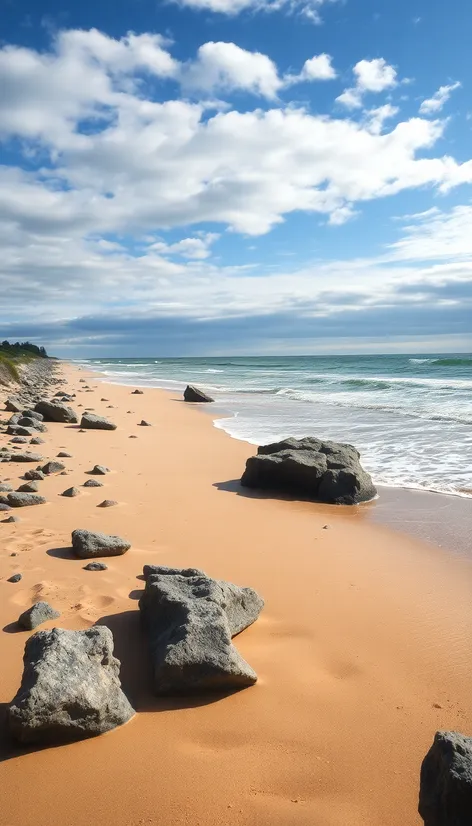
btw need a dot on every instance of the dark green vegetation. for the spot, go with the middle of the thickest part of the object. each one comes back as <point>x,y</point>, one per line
<point>21,349</point>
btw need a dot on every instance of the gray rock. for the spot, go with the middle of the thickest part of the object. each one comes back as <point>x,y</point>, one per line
<point>5,487</point>
<point>132,437</point>
<point>10,519</point>
<point>13,405</point>
<point>164,570</point>
<point>15,418</point>
<point>25,457</point>
<point>19,430</point>
<point>33,424</point>
<point>52,467</point>
<point>29,487</point>
<point>137,392</point>
<point>70,688</point>
<point>90,544</point>
<point>22,500</point>
<point>64,455</point>
<point>38,613</point>
<point>56,411</point>
<point>91,421</point>
<point>96,566</point>
<point>15,578</point>
<point>315,470</point>
<point>71,492</point>
<point>107,503</point>
<point>36,440</point>
<point>100,470</point>
<point>19,440</point>
<point>93,483</point>
<point>193,394</point>
<point>446,781</point>
<point>34,475</point>
<point>4,506</point>
<point>190,621</point>
<point>32,414</point>
<point>144,423</point>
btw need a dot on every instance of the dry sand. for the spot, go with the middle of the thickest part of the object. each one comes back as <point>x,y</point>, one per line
<point>363,649</point>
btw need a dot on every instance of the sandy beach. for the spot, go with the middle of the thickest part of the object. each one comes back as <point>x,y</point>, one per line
<point>362,650</point>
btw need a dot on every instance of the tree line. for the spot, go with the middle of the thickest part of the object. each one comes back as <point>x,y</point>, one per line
<point>22,348</point>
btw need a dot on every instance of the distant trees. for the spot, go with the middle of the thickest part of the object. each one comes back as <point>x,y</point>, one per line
<point>23,348</point>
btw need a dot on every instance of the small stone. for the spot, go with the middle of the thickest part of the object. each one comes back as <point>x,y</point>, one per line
<point>326,527</point>
<point>52,467</point>
<point>100,470</point>
<point>137,392</point>
<point>15,553</point>
<point>5,487</point>
<point>71,492</point>
<point>64,473</point>
<point>63,455</point>
<point>92,483</point>
<point>34,474</point>
<point>103,400</point>
<point>38,613</point>
<point>15,578</point>
<point>36,440</point>
<point>107,503</point>
<point>96,566</point>
<point>4,506</point>
<point>132,437</point>
<point>144,423</point>
<point>19,440</point>
<point>29,487</point>
<point>7,521</point>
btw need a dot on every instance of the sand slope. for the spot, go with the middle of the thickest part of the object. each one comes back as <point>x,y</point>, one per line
<point>362,651</point>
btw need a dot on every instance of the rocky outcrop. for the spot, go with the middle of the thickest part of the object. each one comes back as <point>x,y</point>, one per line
<point>311,469</point>
<point>38,613</point>
<point>55,411</point>
<point>190,621</point>
<point>90,421</point>
<point>446,781</point>
<point>70,688</point>
<point>193,394</point>
<point>90,544</point>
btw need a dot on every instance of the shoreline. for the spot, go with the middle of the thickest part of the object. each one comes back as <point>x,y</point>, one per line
<point>362,650</point>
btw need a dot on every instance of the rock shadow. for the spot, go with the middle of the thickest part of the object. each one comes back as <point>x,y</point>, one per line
<point>235,486</point>
<point>62,553</point>
<point>131,648</point>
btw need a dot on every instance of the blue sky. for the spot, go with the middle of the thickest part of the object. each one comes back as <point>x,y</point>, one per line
<point>236,176</point>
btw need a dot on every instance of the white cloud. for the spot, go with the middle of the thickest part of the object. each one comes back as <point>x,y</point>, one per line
<point>220,67</point>
<point>197,248</point>
<point>435,235</point>
<point>319,67</point>
<point>375,118</point>
<point>434,104</point>
<point>308,8</point>
<point>371,76</point>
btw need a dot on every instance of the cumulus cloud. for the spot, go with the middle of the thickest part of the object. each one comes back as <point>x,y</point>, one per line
<point>371,76</point>
<point>220,67</point>
<point>319,67</point>
<point>432,105</point>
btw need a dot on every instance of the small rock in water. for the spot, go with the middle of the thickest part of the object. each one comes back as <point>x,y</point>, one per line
<point>52,467</point>
<point>15,578</point>
<point>64,455</point>
<point>38,613</point>
<point>107,503</point>
<point>29,487</point>
<point>71,492</point>
<point>96,566</point>
<point>100,470</point>
<point>92,483</point>
<point>193,394</point>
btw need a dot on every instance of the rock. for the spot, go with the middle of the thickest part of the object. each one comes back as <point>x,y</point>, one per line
<point>11,519</point>
<point>100,470</point>
<point>36,440</point>
<point>22,500</point>
<point>38,613</point>
<point>17,430</point>
<point>4,506</point>
<point>5,487</point>
<point>193,394</point>
<point>15,578</point>
<point>64,473</point>
<point>104,400</point>
<point>93,483</point>
<point>57,412</point>
<point>144,423</point>
<point>137,392</point>
<point>96,566</point>
<point>70,492</point>
<point>190,621</point>
<point>315,470</point>
<point>63,455</point>
<point>107,503</point>
<point>14,419</point>
<point>33,424</point>
<point>34,474</point>
<point>91,421</point>
<point>13,405</point>
<point>132,437</point>
<point>26,457</point>
<point>32,414</point>
<point>446,781</point>
<point>19,440</point>
<point>70,688</point>
<point>88,544</point>
<point>29,487</point>
<point>164,570</point>
<point>52,467</point>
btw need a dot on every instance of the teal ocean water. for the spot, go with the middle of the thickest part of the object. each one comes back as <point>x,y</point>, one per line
<point>410,416</point>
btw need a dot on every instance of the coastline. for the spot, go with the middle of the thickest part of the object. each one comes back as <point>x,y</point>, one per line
<point>362,650</point>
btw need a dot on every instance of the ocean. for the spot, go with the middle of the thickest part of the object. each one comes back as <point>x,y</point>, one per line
<point>410,415</point>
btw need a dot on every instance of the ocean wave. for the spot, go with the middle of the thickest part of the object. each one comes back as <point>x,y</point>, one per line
<point>452,362</point>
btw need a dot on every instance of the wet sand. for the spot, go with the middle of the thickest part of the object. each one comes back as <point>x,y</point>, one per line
<point>362,651</point>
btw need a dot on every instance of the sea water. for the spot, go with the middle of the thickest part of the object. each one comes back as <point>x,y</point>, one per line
<point>410,415</point>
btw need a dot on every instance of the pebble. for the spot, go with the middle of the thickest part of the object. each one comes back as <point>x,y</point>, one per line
<point>137,392</point>
<point>107,503</point>
<point>96,566</point>
<point>93,483</point>
<point>100,470</point>
<point>64,455</point>
<point>14,578</point>
<point>144,423</point>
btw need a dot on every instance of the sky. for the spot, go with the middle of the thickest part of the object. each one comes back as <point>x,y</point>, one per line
<point>217,177</point>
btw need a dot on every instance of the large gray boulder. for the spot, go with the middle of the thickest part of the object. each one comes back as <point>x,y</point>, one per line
<point>18,456</point>
<point>190,621</point>
<point>34,424</point>
<point>17,499</point>
<point>446,781</point>
<point>70,688</point>
<point>193,394</point>
<point>90,544</point>
<point>312,469</point>
<point>55,411</point>
<point>38,613</point>
<point>19,430</point>
<point>91,421</point>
